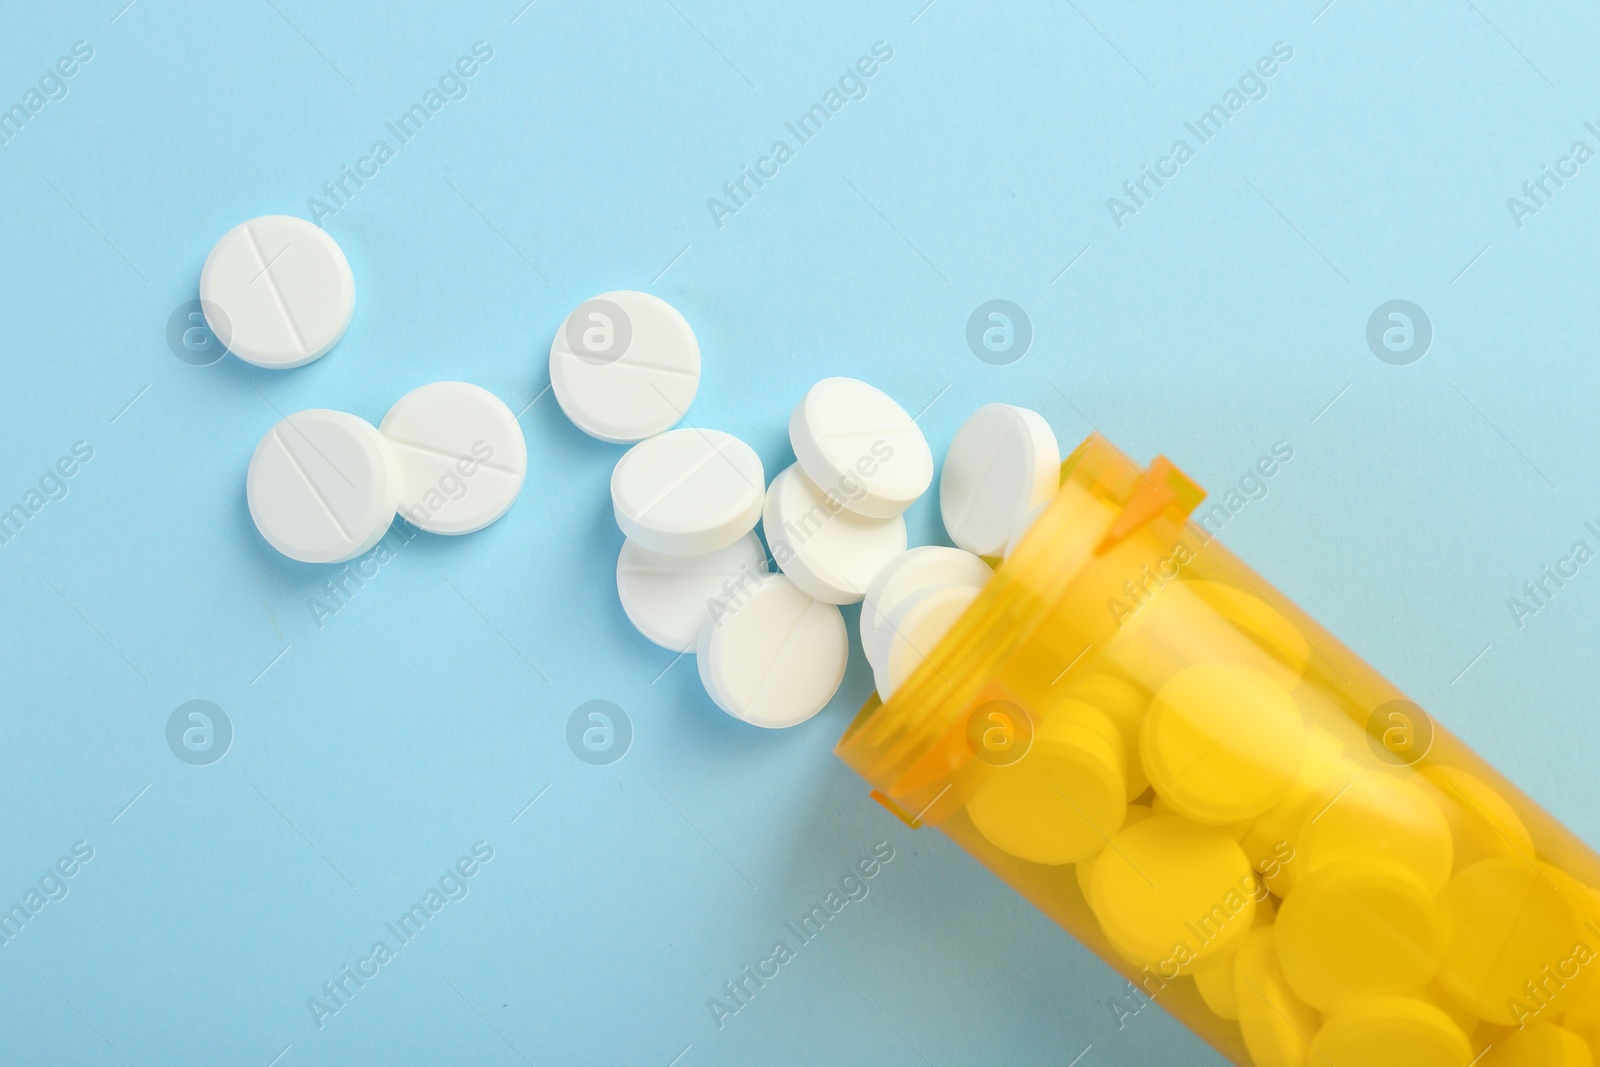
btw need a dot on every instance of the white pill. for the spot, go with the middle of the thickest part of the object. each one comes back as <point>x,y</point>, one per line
<point>688,491</point>
<point>854,441</point>
<point>668,597</point>
<point>776,657</point>
<point>830,552</point>
<point>277,291</point>
<point>322,486</point>
<point>1003,463</point>
<point>917,628</point>
<point>459,455</point>
<point>907,575</point>
<point>625,366</point>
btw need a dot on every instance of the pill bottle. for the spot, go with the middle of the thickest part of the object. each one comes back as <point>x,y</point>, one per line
<point>1145,739</point>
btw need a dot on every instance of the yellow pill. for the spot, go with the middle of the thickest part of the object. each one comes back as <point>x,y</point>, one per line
<point>1391,1032</point>
<point>1541,1045</point>
<point>1137,813</point>
<point>1379,817</point>
<point>1124,704</point>
<point>1483,825</point>
<point>1505,920</point>
<point>1060,802</point>
<point>1222,743</point>
<point>1358,929</point>
<point>1214,977</point>
<point>1171,892</point>
<point>1277,1025</point>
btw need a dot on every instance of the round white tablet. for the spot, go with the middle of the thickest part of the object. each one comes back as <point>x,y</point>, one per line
<point>668,597</point>
<point>916,629</point>
<point>1003,463</point>
<point>830,552</point>
<point>624,366</point>
<point>322,486</point>
<point>907,575</point>
<point>777,658</point>
<point>459,455</point>
<point>858,444</point>
<point>688,491</point>
<point>277,291</point>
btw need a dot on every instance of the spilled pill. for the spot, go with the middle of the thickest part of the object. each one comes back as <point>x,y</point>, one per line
<point>321,486</point>
<point>831,553</point>
<point>459,456</point>
<point>624,366</point>
<point>687,491</point>
<point>277,291</point>
<point>775,657</point>
<point>1003,463</point>
<point>855,441</point>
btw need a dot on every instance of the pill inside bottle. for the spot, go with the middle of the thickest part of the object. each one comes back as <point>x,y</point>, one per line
<point>1229,806</point>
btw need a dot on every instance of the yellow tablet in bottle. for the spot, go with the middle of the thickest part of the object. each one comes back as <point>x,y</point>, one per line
<point>1059,803</point>
<point>1379,816</point>
<point>1391,1032</point>
<point>1278,1026</point>
<point>1505,920</point>
<point>1358,929</point>
<point>1222,743</point>
<point>1171,889</point>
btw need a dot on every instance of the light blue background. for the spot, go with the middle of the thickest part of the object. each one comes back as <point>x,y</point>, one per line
<point>1226,315</point>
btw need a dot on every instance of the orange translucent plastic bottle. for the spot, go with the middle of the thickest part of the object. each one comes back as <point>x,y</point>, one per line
<point>1231,808</point>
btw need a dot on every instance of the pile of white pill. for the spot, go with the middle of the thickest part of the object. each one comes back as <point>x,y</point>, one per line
<point>324,486</point>
<point>693,575</point>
